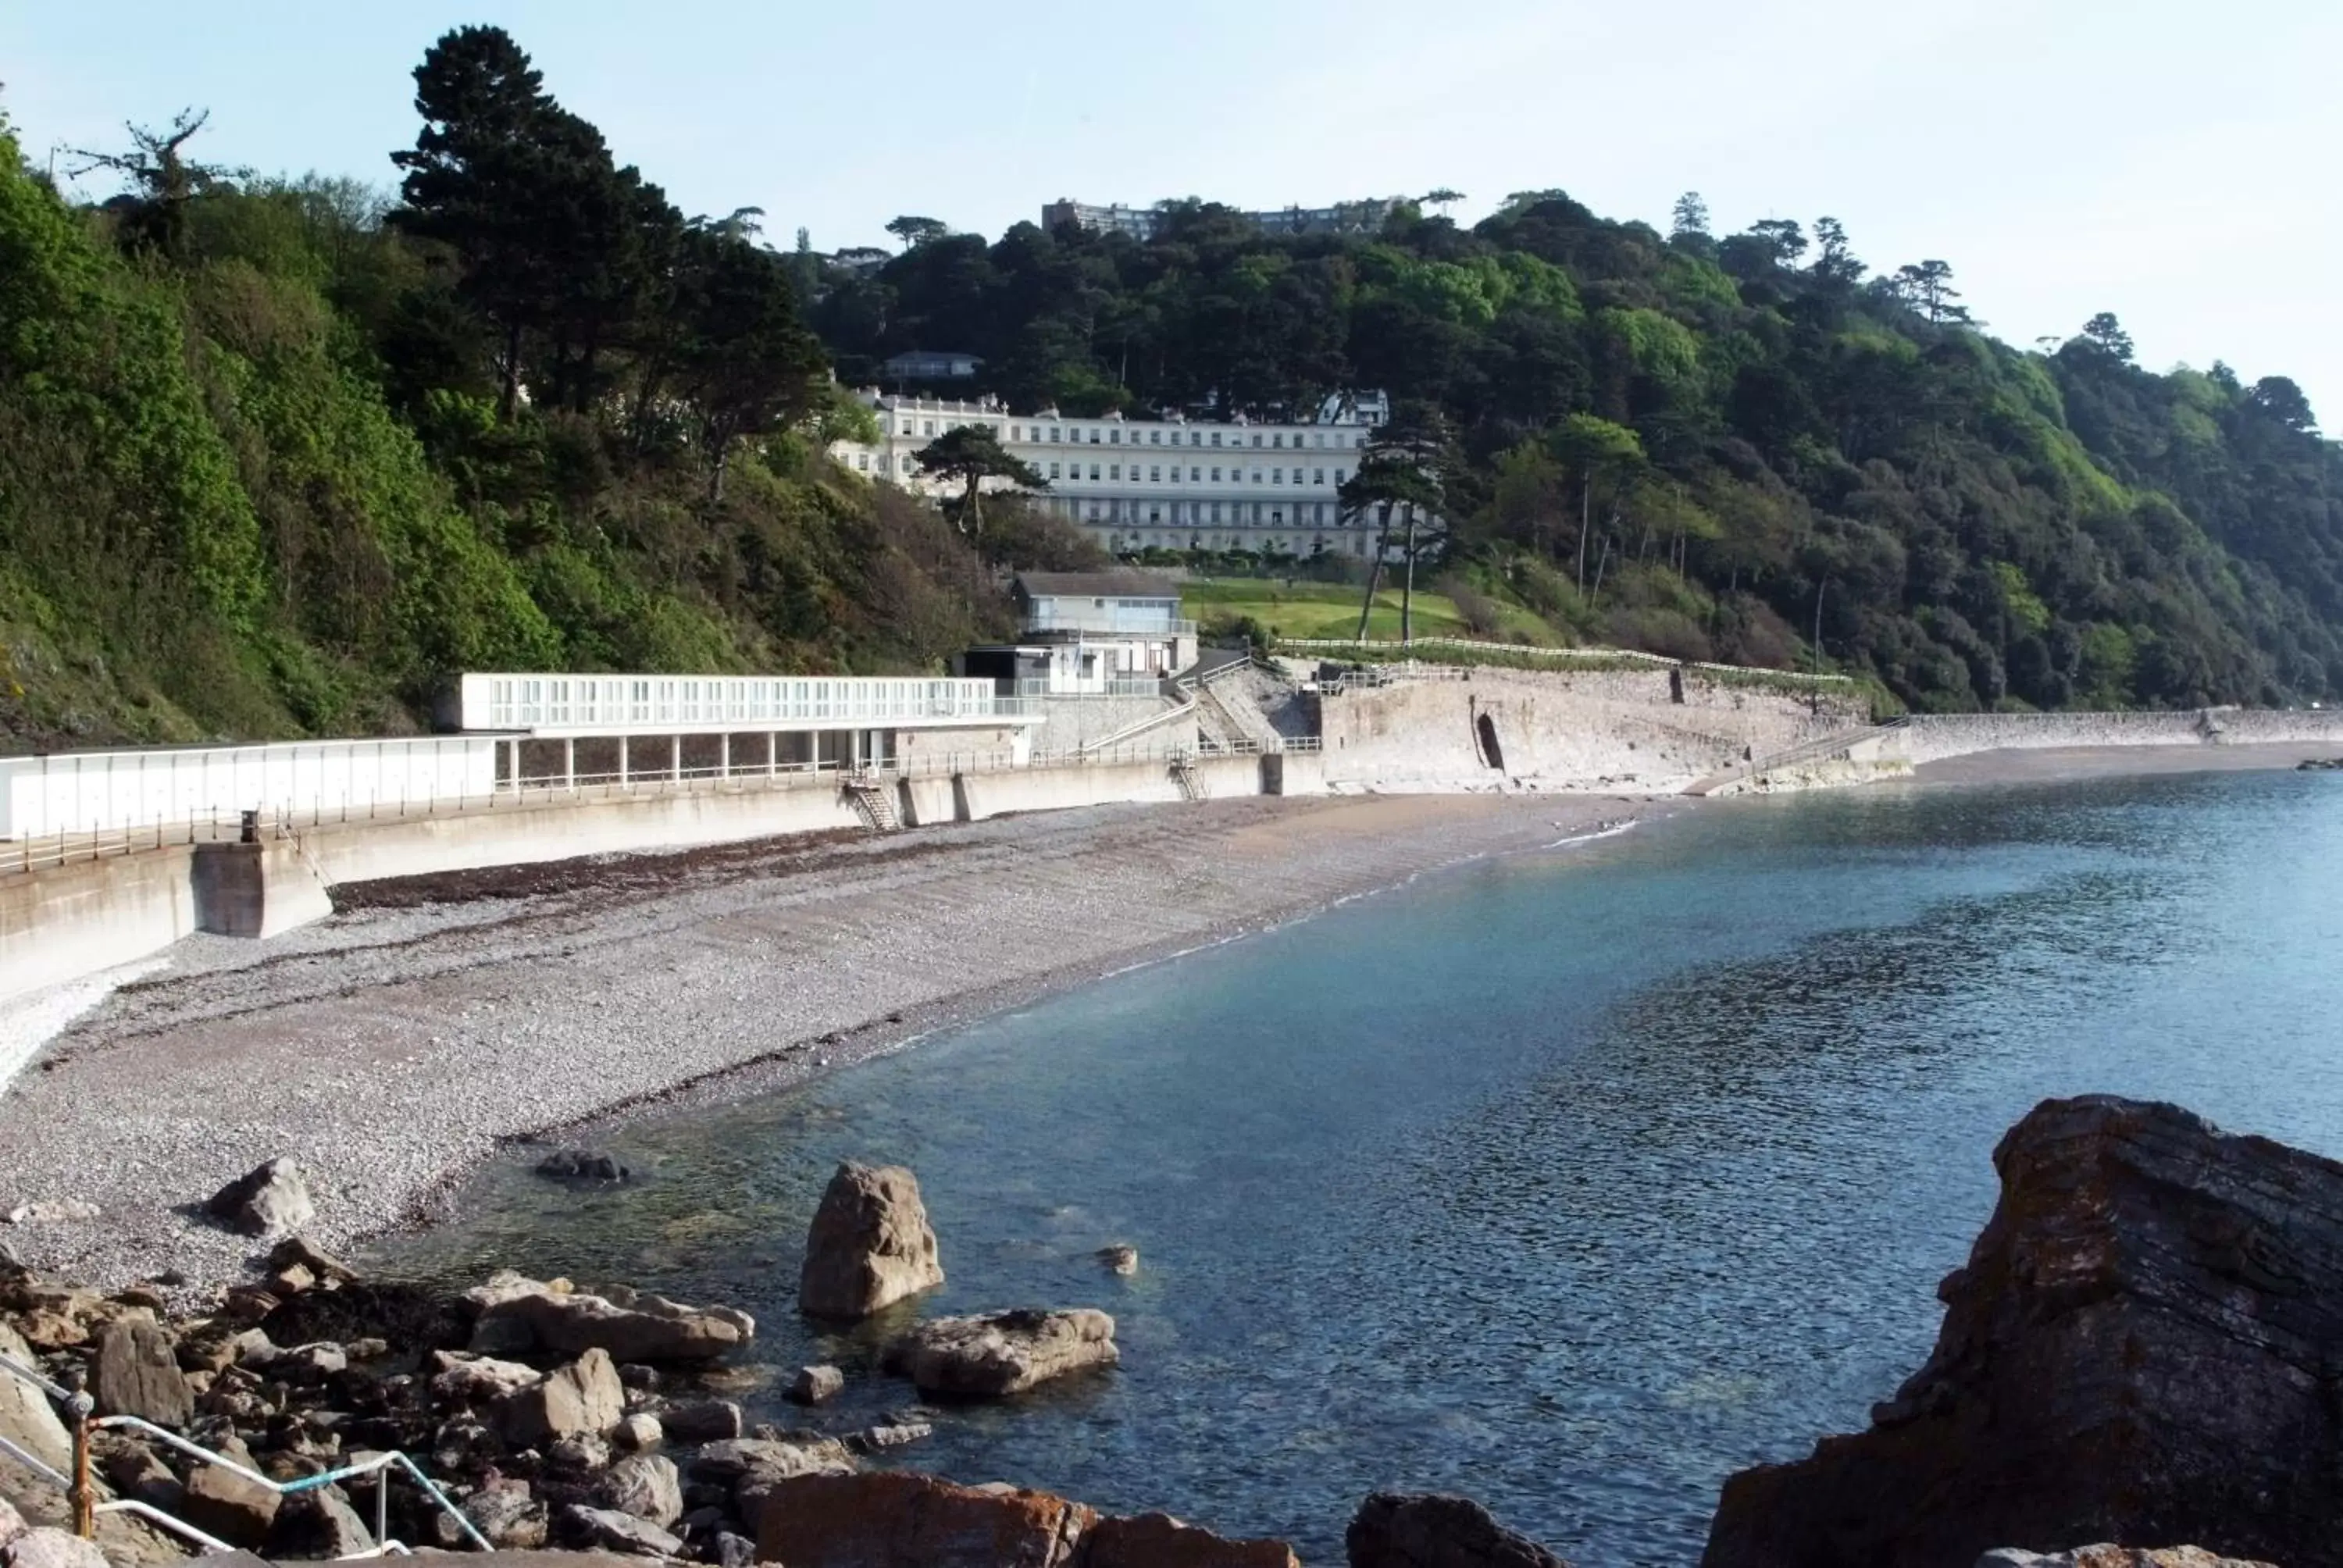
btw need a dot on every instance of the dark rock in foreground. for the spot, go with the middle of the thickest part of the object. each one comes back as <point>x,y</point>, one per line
<point>2147,1345</point>
<point>913,1520</point>
<point>1423,1530</point>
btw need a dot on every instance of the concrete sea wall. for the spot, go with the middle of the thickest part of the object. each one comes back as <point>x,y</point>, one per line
<point>1646,730</point>
<point>1933,737</point>
<point>63,922</point>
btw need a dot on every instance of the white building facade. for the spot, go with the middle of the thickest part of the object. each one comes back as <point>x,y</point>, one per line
<point>1165,483</point>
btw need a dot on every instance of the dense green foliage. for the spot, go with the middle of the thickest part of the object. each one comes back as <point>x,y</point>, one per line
<point>274,460</point>
<point>1695,446</point>
<point>276,457</point>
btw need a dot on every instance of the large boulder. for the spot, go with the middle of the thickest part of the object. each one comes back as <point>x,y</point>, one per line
<point>2142,1347</point>
<point>1426,1530</point>
<point>869,1245</point>
<point>915,1521</point>
<point>519,1315</point>
<point>272,1199</point>
<point>584,1399</point>
<point>1000,1354</point>
<point>238,1509</point>
<point>137,1373</point>
<point>647,1486</point>
<point>28,1419</point>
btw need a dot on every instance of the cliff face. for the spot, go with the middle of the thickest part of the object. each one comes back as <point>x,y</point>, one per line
<point>2145,1346</point>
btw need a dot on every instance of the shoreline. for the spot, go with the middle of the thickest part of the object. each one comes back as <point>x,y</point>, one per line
<point>438,960</point>
<point>439,963</point>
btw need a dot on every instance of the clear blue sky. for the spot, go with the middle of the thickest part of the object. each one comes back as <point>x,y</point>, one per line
<point>2170,162</point>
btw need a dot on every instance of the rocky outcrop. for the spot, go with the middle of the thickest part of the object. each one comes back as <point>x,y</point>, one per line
<point>1119,1260</point>
<point>910,1520</point>
<point>2147,1345</point>
<point>1426,1530</point>
<point>2114,1557</point>
<point>869,1245</point>
<point>137,1373</point>
<point>518,1315</point>
<point>271,1201</point>
<point>1002,1354</point>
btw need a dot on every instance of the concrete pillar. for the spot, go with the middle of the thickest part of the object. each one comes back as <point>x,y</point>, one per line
<point>724,755</point>
<point>622,761</point>
<point>675,758</point>
<point>772,753</point>
<point>570,763</point>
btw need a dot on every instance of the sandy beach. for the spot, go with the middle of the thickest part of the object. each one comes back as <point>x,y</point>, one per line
<point>391,1049</point>
<point>434,1021</point>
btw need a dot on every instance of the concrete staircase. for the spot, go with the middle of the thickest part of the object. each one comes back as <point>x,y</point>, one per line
<point>874,803</point>
<point>1190,783</point>
<point>1731,780</point>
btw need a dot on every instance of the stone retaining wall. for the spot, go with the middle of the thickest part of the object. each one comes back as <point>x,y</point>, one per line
<point>1653,730</point>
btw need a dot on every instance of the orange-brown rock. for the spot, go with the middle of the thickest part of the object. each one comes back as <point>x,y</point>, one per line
<point>1160,1541</point>
<point>901,1520</point>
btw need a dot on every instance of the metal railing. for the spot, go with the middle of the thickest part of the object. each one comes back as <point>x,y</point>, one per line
<point>83,1491</point>
<point>275,824</point>
<point>1559,655</point>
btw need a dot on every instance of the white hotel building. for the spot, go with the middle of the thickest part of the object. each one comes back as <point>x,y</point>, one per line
<point>1166,483</point>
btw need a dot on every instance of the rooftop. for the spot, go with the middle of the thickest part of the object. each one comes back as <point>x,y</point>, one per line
<point>1096,585</point>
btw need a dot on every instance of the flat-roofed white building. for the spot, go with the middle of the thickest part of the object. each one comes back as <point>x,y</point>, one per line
<point>1166,482</point>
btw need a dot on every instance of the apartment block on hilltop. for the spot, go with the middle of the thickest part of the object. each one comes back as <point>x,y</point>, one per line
<point>1144,223</point>
<point>1168,482</point>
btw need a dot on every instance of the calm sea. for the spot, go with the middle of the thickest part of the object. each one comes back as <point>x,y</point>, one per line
<point>1573,1182</point>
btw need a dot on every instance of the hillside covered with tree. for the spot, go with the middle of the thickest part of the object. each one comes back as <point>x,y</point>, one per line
<point>277,455</point>
<point>1710,445</point>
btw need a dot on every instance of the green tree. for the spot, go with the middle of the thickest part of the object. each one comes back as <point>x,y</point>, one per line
<point>1690,218</point>
<point>915,232</point>
<point>1928,287</point>
<point>973,454</point>
<point>1835,262</point>
<point>744,362</point>
<point>2104,333</point>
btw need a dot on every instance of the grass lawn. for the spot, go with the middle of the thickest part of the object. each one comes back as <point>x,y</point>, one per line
<point>1332,609</point>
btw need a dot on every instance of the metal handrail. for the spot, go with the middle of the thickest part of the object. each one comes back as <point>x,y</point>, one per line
<point>83,1491</point>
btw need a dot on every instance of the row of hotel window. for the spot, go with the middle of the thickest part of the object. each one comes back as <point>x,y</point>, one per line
<point>1063,436</point>
<point>1155,473</point>
<point>1320,544</point>
<point>1257,513</point>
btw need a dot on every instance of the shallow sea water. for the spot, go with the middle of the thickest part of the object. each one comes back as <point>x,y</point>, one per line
<point>1571,1181</point>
